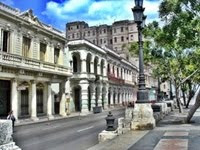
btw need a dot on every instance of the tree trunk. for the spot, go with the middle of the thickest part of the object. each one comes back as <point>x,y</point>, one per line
<point>184,98</point>
<point>191,94</point>
<point>177,99</point>
<point>171,94</point>
<point>193,108</point>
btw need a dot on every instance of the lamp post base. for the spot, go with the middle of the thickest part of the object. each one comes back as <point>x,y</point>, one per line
<point>142,96</point>
<point>142,117</point>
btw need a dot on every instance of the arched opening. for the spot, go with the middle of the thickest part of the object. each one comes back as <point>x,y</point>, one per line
<point>102,66</point>
<point>103,96</point>
<point>96,97</point>
<point>108,69</point>
<point>117,72</point>
<point>109,97</point>
<point>88,62</point>
<point>121,72</point>
<point>114,96</point>
<point>113,70</point>
<point>118,97</point>
<point>89,98</point>
<point>96,60</point>
<point>24,99</point>
<point>76,63</point>
<point>40,98</point>
<point>77,100</point>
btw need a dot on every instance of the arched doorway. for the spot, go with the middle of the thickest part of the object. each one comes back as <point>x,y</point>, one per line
<point>109,97</point>
<point>24,99</point>
<point>77,100</point>
<point>114,96</point>
<point>102,67</point>
<point>40,98</point>
<point>88,60</point>
<point>89,98</point>
<point>118,98</point>
<point>96,60</point>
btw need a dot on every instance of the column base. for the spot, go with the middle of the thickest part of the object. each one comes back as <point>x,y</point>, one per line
<point>34,118</point>
<point>63,114</point>
<point>142,117</point>
<point>50,117</point>
<point>84,112</point>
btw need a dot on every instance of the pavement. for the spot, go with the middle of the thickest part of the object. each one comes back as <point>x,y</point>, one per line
<point>169,134</point>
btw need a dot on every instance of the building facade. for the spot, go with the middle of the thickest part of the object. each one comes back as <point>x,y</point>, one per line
<point>116,36</point>
<point>33,56</point>
<point>100,77</point>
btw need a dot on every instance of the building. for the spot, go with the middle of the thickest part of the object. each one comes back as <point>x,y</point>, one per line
<point>116,36</point>
<point>33,56</point>
<point>100,77</point>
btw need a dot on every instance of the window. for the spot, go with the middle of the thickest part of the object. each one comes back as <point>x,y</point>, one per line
<point>110,41</point>
<point>77,26</point>
<point>122,39</point>
<point>26,46</point>
<point>93,32</point>
<point>68,37</point>
<point>6,41</point>
<point>56,55</point>
<point>104,41</point>
<point>94,41</point>
<point>73,35</point>
<point>115,39</point>
<point>127,38</point>
<point>127,28</point>
<point>77,35</point>
<point>42,51</point>
<point>100,32</point>
<point>68,28</point>
<point>104,30</point>
<point>122,29</point>
<point>114,30</point>
<point>88,33</point>
<point>100,41</point>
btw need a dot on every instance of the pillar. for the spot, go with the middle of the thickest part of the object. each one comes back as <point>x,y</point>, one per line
<point>111,98</point>
<point>106,96</point>
<point>62,110</point>
<point>105,69</point>
<point>14,98</point>
<point>98,68</point>
<point>33,101</point>
<point>83,56</point>
<point>93,95</point>
<point>84,97</point>
<point>49,102</point>
<point>99,99</point>
<point>92,65</point>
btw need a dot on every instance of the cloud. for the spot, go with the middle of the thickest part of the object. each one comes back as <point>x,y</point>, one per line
<point>8,2</point>
<point>96,12</point>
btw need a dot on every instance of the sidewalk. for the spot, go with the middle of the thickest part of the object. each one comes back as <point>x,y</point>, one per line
<point>41,119</point>
<point>169,134</point>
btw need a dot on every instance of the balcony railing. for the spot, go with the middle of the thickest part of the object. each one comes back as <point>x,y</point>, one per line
<point>115,79</point>
<point>20,62</point>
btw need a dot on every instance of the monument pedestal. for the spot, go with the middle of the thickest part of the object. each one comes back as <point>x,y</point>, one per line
<point>142,117</point>
<point>106,135</point>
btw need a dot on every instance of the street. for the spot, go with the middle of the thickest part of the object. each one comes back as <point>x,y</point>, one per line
<point>66,134</point>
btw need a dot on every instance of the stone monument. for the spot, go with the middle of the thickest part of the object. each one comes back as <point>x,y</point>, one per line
<point>6,140</point>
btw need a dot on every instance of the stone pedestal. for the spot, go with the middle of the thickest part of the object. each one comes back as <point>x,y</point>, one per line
<point>142,117</point>
<point>106,135</point>
<point>6,140</point>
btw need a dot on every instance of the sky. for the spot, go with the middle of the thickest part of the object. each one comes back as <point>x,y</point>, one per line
<point>94,12</point>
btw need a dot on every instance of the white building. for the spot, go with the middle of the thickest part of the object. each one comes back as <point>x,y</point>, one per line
<point>100,77</point>
<point>32,57</point>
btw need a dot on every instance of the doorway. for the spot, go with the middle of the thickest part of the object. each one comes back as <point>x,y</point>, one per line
<point>4,98</point>
<point>77,99</point>
<point>24,102</point>
<point>40,101</point>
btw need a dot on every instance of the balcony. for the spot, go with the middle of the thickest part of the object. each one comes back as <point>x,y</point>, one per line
<point>112,78</point>
<point>19,62</point>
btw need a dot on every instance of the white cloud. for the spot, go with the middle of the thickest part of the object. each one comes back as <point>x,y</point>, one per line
<point>96,12</point>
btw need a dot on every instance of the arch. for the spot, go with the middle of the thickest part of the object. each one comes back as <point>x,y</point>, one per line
<point>102,66</point>
<point>77,98</point>
<point>96,61</point>
<point>76,62</point>
<point>109,96</point>
<point>117,72</point>
<point>88,62</point>
<point>24,93</point>
<point>108,69</point>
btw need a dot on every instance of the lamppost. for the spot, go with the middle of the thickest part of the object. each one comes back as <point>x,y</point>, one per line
<point>139,18</point>
<point>142,112</point>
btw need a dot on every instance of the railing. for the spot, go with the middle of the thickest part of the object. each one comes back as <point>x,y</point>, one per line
<point>115,79</point>
<point>28,63</point>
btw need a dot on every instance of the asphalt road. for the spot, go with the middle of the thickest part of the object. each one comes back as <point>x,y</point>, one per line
<point>66,134</point>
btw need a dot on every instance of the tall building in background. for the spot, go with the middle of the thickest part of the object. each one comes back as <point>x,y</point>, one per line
<point>117,36</point>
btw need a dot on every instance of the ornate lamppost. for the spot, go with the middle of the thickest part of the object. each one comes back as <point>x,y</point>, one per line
<point>142,112</point>
<point>139,18</point>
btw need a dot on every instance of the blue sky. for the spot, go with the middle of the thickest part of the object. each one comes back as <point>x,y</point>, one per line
<point>94,12</point>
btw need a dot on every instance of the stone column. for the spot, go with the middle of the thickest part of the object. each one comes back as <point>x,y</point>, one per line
<point>105,69</point>
<point>14,98</point>
<point>49,101</point>
<point>84,97</point>
<point>92,65</point>
<point>33,101</point>
<point>111,97</point>
<point>93,95</point>
<point>83,56</point>
<point>62,110</point>
<point>99,94</point>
